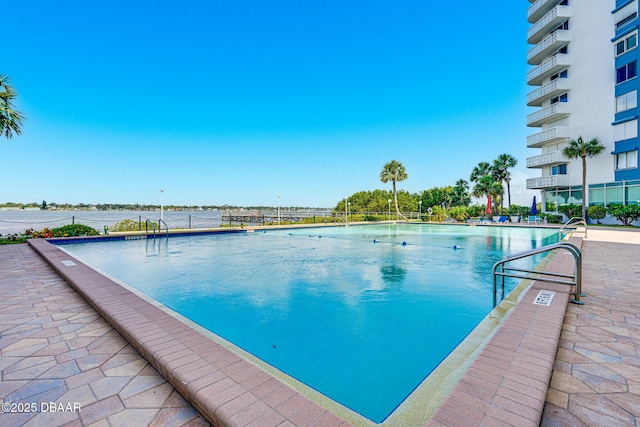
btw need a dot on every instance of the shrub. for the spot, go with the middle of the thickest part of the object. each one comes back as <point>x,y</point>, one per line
<point>597,213</point>
<point>476,210</point>
<point>74,230</point>
<point>43,234</point>
<point>459,213</point>
<point>551,218</point>
<point>571,210</point>
<point>126,225</point>
<point>516,210</point>
<point>64,231</point>
<point>524,211</point>
<point>625,214</point>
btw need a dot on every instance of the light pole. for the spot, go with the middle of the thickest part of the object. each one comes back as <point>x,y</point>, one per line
<point>162,204</point>
<point>349,210</point>
<point>420,213</point>
<point>278,210</point>
<point>389,209</point>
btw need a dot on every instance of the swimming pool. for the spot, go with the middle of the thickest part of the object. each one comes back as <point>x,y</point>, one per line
<point>363,322</point>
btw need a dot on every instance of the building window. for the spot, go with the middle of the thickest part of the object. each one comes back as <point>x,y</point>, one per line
<point>626,130</point>
<point>626,72</point>
<point>627,101</point>
<point>626,44</point>
<point>563,26</point>
<point>562,98</point>
<point>627,160</point>
<point>559,169</point>
<point>626,20</point>
<point>561,75</point>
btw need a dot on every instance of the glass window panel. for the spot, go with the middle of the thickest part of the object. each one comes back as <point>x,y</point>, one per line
<point>614,195</point>
<point>575,197</point>
<point>621,161</point>
<point>618,132</point>
<point>632,159</point>
<point>632,99</point>
<point>621,103</point>
<point>596,196</point>
<point>563,197</point>
<point>620,48</point>
<point>631,129</point>
<point>631,41</point>
<point>631,70</point>
<point>633,195</point>
<point>621,74</point>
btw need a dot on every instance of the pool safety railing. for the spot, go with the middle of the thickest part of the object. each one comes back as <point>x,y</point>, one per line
<point>575,221</point>
<point>575,279</point>
<point>166,227</point>
<point>153,227</point>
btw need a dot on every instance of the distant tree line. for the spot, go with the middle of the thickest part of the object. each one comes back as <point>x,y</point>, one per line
<point>490,180</point>
<point>138,207</point>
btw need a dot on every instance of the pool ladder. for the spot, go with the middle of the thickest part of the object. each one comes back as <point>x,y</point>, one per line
<point>578,221</point>
<point>499,269</point>
<point>153,227</point>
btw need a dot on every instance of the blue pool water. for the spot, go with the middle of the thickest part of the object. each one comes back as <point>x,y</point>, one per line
<point>363,322</point>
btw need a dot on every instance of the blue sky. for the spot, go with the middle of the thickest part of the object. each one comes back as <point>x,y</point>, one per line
<point>240,102</point>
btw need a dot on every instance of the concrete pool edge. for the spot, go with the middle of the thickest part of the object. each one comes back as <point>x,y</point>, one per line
<point>222,386</point>
<point>507,383</point>
<point>165,354</point>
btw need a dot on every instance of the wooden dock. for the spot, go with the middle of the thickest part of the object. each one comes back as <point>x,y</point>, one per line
<point>272,217</point>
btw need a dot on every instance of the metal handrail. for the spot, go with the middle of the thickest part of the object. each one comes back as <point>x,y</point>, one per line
<point>153,227</point>
<point>166,227</point>
<point>580,221</point>
<point>577,276</point>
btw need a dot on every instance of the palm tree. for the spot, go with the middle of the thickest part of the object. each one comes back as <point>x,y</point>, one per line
<point>394,171</point>
<point>501,167</point>
<point>487,185</point>
<point>460,193</point>
<point>578,148</point>
<point>478,175</point>
<point>10,119</point>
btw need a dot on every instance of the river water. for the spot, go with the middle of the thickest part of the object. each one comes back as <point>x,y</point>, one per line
<point>18,221</point>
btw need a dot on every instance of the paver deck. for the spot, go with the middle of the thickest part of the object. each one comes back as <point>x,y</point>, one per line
<point>596,374</point>
<point>55,348</point>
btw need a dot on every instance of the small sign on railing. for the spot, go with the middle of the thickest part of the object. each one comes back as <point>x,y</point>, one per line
<point>544,298</point>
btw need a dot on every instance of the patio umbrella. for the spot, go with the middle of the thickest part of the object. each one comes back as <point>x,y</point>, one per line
<point>534,207</point>
<point>488,205</point>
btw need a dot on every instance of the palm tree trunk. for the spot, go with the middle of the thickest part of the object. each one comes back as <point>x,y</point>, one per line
<point>584,187</point>
<point>395,200</point>
<point>509,191</point>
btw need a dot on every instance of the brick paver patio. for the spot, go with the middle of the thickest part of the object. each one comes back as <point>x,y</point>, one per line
<point>55,348</point>
<point>596,375</point>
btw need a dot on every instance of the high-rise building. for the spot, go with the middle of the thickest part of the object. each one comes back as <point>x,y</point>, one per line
<point>584,62</point>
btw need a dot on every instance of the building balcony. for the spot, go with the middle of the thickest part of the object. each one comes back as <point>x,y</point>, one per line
<point>548,114</point>
<point>553,135</point>
<point>553,88</point>
<point>548,182</point>
<point>547,159</point>
<point>548,46</point>
<point>549,67</point>
<point>548,23</point>
<point>540,8</point>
